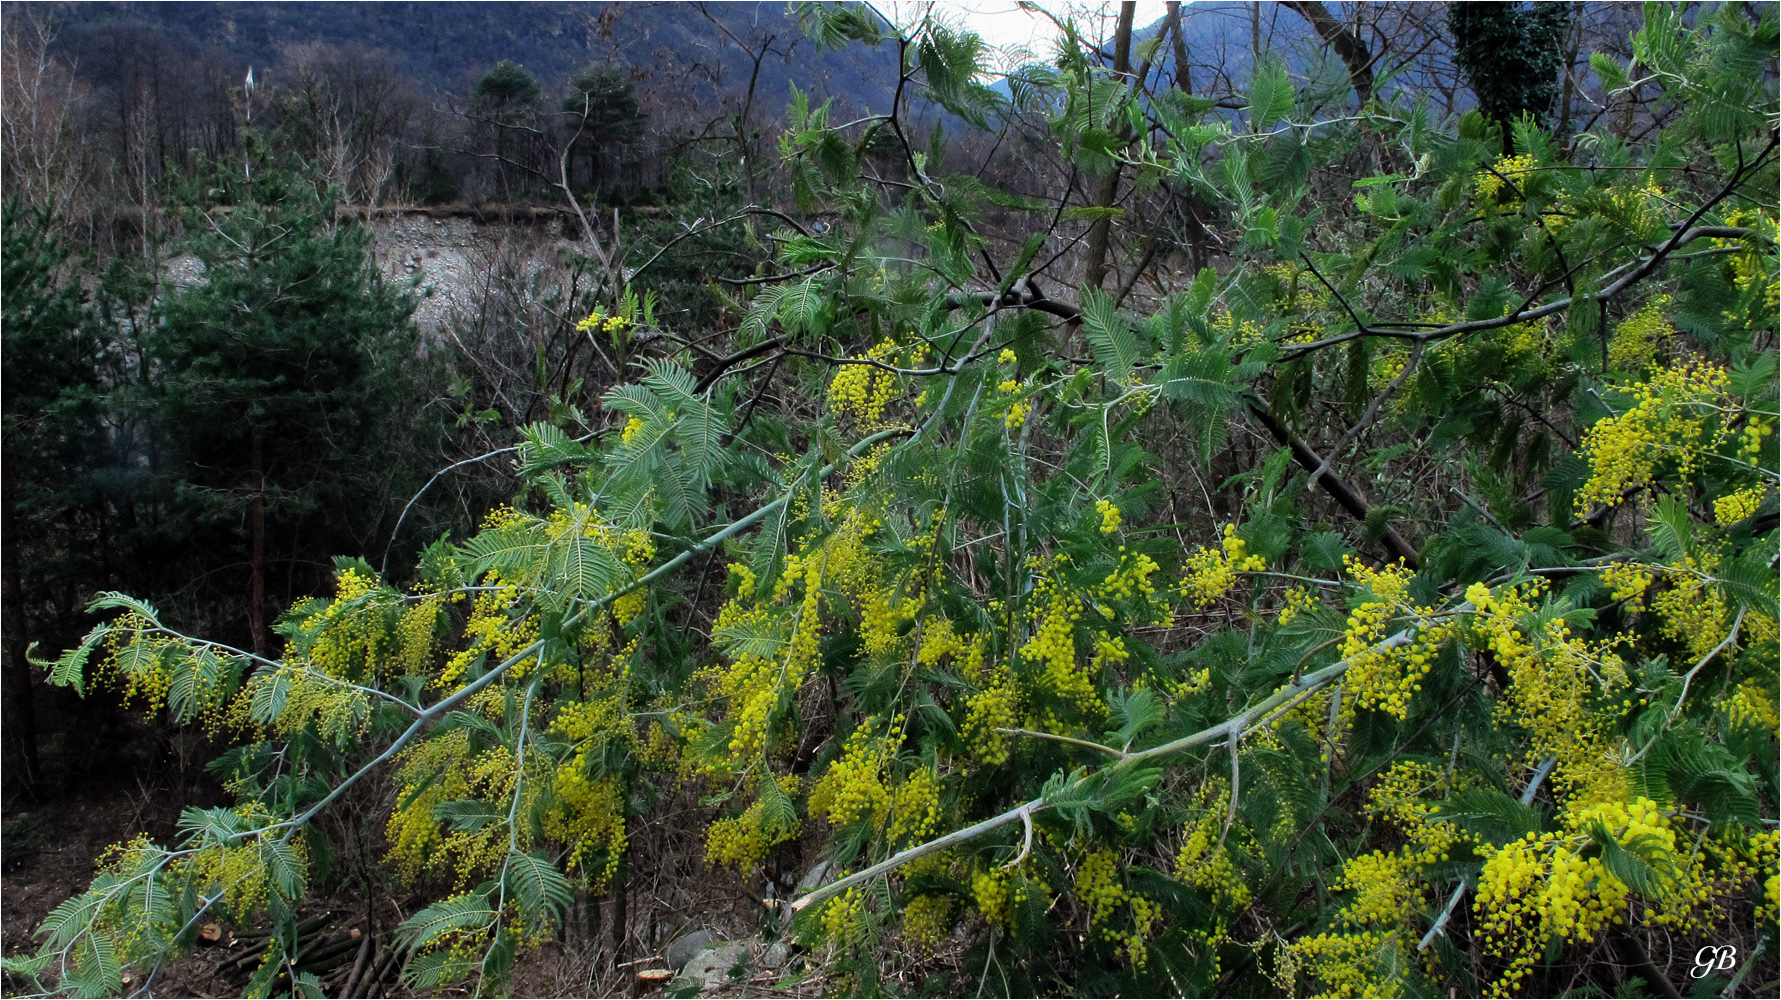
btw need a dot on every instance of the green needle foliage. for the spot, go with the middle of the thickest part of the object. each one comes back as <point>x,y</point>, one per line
<point>52,438</point>
<point>277,379</point>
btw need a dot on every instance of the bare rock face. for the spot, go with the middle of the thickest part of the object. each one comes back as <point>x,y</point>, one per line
<point>440,252</point>
<point>776,955</point>
<point>449,252</point>
<point>813,879</point>
<point>450,255</point>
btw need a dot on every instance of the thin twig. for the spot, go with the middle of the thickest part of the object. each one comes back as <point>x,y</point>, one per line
<point>1369,416</point>
<point>1688,678</point>
<point>1349,498</point>
<point>384,568</point>
<point>1360,327</point>
<point>1230,813</point>
<point>1635,271</point>
<point>1527,799</point>
<point>1122,755</point>
<point>766,279</point>
<point>1026,846</point>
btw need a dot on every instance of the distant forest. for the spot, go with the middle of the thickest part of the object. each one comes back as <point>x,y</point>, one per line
<point>378,93</point>
<point>391,101</point>
<point>445,47</point>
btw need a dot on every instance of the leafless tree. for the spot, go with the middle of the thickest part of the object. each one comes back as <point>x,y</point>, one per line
<point>348,111</point>
<point>44,161</point>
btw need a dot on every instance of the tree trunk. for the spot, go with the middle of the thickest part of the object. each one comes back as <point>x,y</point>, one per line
<point>256,612</point>
<point>1193,208</point>
<point>1183,74</point>
<point>590,916</point>
<point>1346,44</point>
<point>1095,269</point>
<point>1570,88</point>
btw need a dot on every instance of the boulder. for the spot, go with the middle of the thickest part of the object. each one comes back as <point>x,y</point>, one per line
<point>682,949</point>
<point>712,966</point>
<point>776,955</point>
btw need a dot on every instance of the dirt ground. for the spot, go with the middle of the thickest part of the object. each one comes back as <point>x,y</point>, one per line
<point>49,849</point>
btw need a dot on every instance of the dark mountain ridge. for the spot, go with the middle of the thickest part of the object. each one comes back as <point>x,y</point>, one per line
<point>696,50</point>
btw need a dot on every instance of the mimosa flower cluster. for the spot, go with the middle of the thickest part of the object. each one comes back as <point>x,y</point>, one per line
<point>1673,422</point>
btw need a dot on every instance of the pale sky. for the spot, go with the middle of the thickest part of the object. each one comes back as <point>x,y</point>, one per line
<point>1004,24</point>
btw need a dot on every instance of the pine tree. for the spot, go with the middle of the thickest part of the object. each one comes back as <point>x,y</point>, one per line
<point>52,437</point>
<point>276,380</point>
<point>505,108</point>
<point>603,112</point>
